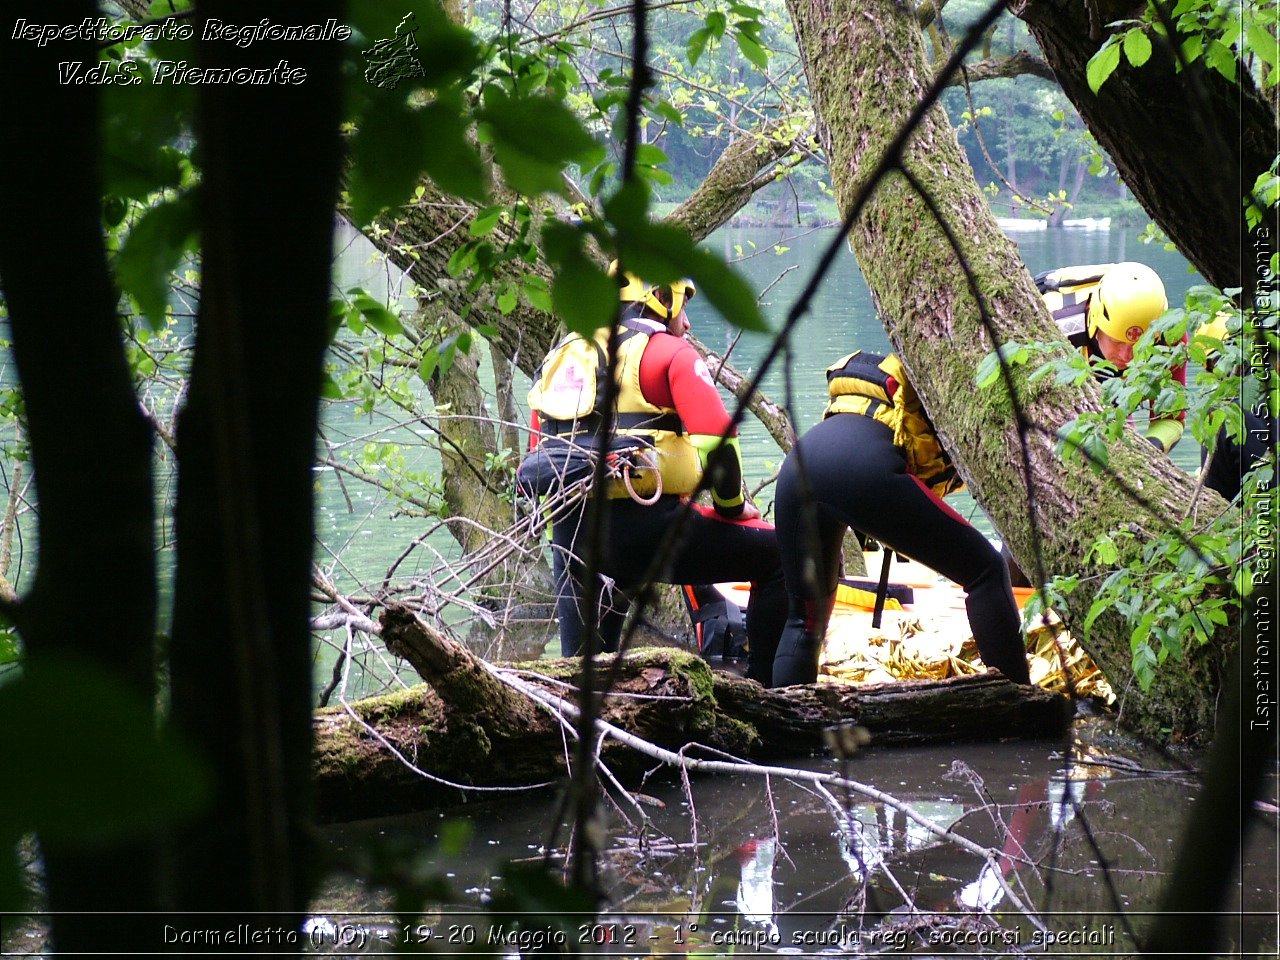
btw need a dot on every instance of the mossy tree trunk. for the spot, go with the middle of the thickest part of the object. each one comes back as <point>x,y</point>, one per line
<point>1187,144</point>
<point>867,69</point>
<point>469,729</point>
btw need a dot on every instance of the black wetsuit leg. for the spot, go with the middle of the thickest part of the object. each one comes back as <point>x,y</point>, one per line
<point>570,572</point>
<point>1231,461</point>
<point>857,478</point>
<point>710,550</point>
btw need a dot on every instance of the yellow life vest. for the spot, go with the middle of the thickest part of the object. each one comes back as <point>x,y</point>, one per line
<point>1066,292</point>
<point>860,383</point>
<point>568,393</point>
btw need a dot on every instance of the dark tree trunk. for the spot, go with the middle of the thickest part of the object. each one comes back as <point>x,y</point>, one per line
<point>241,651</point>
<point>90,447</point>
<point>867,71</point>
<point>1184,143</point>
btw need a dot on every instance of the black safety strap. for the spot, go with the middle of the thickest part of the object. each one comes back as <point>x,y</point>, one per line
<point>873,406</point>
<point>882,590</point>
<point>594,424</point>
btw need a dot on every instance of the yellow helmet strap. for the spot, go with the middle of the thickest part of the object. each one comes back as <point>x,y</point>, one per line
<point>682,291</point>
<point>654,303</point>
<point>677,300</point>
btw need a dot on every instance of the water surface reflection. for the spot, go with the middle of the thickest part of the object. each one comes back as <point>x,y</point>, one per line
<point>751,864</point>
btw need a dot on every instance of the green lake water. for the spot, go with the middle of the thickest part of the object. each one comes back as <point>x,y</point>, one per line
<point>747,866</point>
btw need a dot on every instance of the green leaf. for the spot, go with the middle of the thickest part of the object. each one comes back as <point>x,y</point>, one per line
<point>355,322</point>
<point>1263,44</point>
<point>628,209</point>
<point>1221,58</point>
<point>9,646</point>
<point>374,313</point>
<point>394,145</point>
<point>733,298</point>
<point>1144,664</point>
<point>537,292</point>
<point>1096,609</point>
<point>140,125</point>
<point>583,296</point>
<point>427,368</point>
<point>462,259</point>
<point>988,371</point>
<point>486,220</point>
<point>450,158</point>
<point>656,175</point>
<point>669,112</point>
<point>1193,48</point>
<point>649,155</point>
<point>114,210</point>
<point>1138,639</point>
<point>600,175</point>
<point>329,388</point>
<point>1137,47</point>
<point>152,250</point>
<point>696,44</point>
<point>508,299</point>
<point>534,138</point>
<point>1102,64</point>
<point>752,50</point>
<point>661,253</point>
<point>386,158</point>
<point>115,777</point>
<point>1104,551</point>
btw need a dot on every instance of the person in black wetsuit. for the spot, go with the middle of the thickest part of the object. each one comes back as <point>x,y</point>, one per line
<point>874,464</point>
<point>666,396</point>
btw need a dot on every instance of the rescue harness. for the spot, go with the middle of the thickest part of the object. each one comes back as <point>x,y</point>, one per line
<point>648,451</point>
<point>876,386</point>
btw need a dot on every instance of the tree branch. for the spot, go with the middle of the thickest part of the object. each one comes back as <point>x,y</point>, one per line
<point>1019,64</point>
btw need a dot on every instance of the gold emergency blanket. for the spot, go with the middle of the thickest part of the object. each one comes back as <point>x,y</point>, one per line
<point>930,639</point>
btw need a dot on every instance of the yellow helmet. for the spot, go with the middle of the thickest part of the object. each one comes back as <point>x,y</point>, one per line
<point>1128,298</point>
<point>1215,332</point>
<point>634,290</point>
<point>1215,329</point>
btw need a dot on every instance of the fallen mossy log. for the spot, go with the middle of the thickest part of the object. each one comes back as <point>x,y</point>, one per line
<point>466,728</point>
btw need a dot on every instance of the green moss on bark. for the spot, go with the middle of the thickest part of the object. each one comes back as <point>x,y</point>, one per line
<point>867,69</point>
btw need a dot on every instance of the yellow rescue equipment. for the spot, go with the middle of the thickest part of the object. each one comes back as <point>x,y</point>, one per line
<point>568,393</point>
<point>876,386</point>
<point>1120,299</point>
<point>634,290</point>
